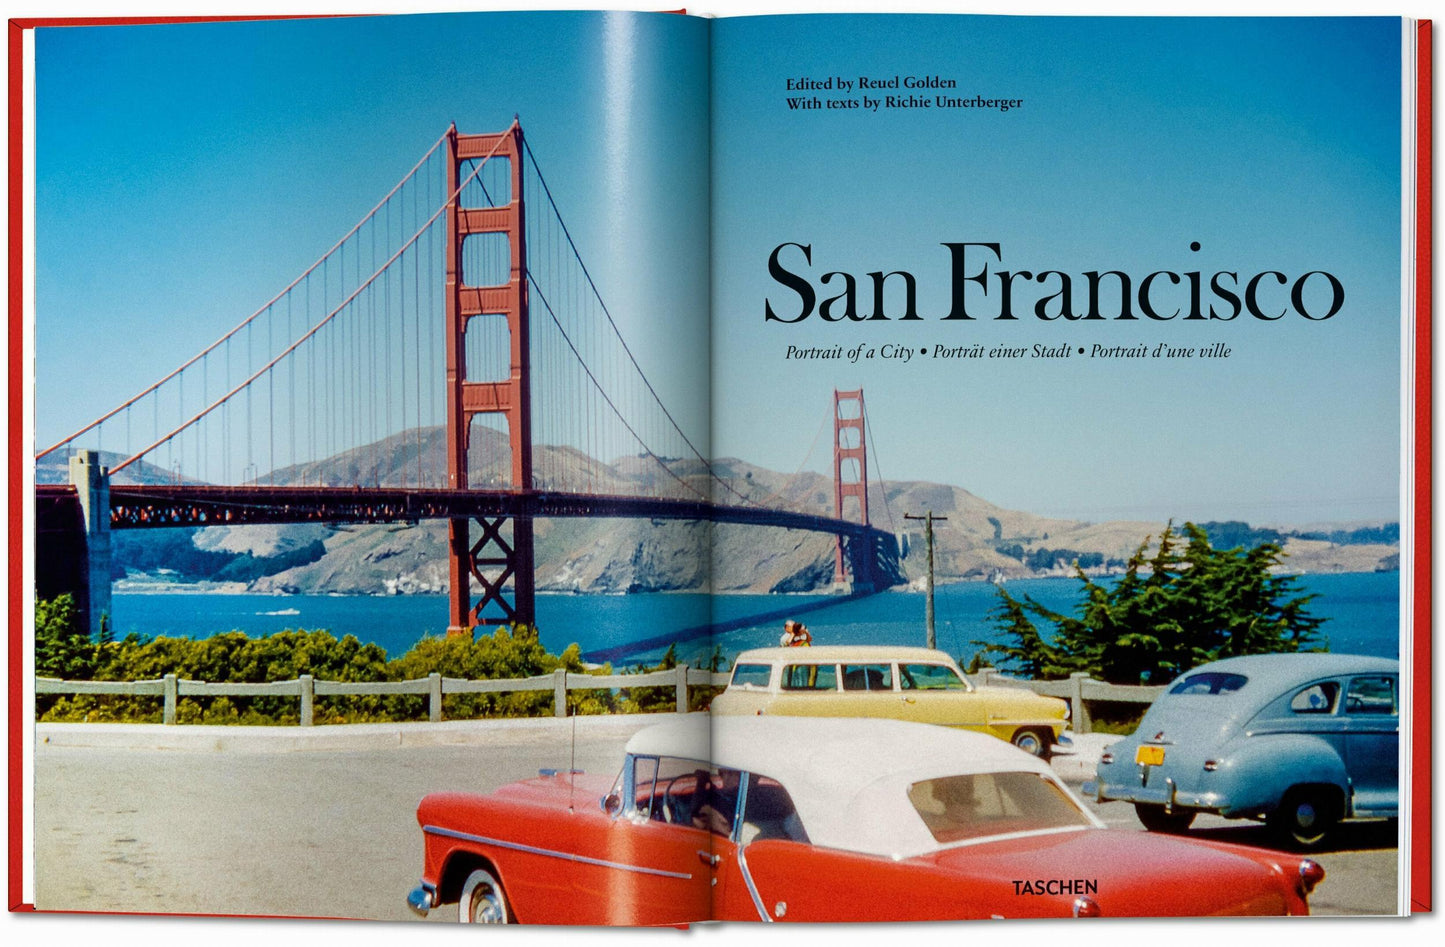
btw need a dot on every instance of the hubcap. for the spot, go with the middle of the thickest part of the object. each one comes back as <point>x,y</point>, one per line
<point>1305,815</point>
<point>487,907</point>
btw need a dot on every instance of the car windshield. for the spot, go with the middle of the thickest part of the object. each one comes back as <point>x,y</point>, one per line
<point>1210,682</point>
<point>929,677</point>
<point>958,808</point>
<point>685,792</point>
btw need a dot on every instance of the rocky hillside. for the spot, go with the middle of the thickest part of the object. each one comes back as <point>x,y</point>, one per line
<point>977,540</point>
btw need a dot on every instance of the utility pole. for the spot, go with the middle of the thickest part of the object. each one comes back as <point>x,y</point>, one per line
<point>928,519</point>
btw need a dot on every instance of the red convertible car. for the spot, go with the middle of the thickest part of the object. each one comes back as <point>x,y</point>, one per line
<point>818,819</point>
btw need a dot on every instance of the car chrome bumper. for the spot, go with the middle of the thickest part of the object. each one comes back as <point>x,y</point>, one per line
<point>1166,793</point>
<point>422,899</point>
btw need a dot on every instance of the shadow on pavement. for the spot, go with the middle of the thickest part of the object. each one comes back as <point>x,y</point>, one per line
<point>1364,836</point>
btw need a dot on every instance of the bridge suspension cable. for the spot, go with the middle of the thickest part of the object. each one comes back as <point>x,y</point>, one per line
<point>246,323</point>
<point>882,481</point>
<point>565,241</point>
<point>336,380</point>
<point>345,303</point>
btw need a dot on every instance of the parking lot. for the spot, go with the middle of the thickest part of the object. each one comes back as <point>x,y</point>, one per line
<point>283,822</point>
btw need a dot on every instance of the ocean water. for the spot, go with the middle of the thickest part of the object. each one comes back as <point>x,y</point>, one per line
<point>1362,612</point>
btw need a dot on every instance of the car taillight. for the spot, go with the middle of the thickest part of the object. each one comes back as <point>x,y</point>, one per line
<point>1107,757</point>
<point>1310,874</point>
<point>1211,765</point>
<point>1086,907</point>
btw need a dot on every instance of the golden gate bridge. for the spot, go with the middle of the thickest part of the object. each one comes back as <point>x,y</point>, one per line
<point>450,357</point>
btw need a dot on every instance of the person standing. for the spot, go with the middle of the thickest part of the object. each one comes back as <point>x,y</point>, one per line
<point>795,635</point>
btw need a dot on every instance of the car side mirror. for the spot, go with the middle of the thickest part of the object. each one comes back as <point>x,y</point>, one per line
<point>612,803</point>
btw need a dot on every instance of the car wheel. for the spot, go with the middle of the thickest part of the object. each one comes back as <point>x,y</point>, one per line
<point>1305,818</point>
<point>1034,742</point>
<point>483,901</point>
<point>1155,819</point>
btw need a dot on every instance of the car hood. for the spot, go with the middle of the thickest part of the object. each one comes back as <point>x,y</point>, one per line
<point>1134,873</point>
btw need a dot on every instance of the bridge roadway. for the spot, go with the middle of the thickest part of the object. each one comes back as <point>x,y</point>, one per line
<point>167,505</point>
<point>248,820</point>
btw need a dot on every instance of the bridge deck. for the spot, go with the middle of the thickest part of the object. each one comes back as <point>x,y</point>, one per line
<point>151,506</point>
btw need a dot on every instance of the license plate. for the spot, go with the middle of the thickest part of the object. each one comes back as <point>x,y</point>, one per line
<point>1149,756</point>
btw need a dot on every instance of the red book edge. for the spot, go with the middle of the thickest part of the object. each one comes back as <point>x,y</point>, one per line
<point>1422,725</point>
<point>14,612</point>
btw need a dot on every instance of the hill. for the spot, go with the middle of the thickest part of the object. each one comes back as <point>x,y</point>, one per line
<point>977,540</point>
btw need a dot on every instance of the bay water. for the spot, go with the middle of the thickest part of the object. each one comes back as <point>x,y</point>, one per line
<point>1362,612</point>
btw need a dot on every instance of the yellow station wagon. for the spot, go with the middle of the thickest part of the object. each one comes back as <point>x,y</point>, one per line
<point>917,684</point>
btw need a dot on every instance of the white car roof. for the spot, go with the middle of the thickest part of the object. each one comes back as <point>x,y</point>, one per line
<point>838,652</point>
<point>848,777</point>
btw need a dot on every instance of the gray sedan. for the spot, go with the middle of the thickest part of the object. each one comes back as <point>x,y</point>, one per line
<point>1298,740</point>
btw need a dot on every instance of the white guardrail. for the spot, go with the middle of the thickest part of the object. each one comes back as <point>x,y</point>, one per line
<point>306,688</point>
<point>1079,690</point>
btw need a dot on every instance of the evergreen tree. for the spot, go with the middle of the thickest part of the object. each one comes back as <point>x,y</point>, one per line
<point>1183,606</point>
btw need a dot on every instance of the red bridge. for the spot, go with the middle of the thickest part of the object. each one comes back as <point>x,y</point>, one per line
<point>414,338</point>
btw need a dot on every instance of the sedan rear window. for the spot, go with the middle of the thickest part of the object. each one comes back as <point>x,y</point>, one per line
<point>1210,682</point>
<point>1316,699</point>
<point>956,808</point>
<point>752,675</point>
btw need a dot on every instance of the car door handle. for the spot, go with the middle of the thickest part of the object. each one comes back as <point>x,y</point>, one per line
<point>909,700</point>
<point>708,858</point>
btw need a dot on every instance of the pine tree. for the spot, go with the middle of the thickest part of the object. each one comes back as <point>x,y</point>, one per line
<point>1169,612</point>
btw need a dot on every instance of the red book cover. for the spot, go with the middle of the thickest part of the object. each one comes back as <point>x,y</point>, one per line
<point>450,467</point>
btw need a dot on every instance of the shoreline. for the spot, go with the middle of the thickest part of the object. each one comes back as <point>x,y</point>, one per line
<point>123,587</point>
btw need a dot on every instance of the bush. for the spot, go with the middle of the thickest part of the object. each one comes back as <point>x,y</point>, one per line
<point>234,657</point>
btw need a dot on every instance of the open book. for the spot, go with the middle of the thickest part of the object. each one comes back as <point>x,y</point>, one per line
<point>893,407</point>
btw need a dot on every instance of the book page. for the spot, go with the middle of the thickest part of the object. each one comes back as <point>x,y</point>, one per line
<point>370,372</point>
<point>1099,324</point>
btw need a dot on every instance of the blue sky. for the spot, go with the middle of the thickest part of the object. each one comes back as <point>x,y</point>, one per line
<point>186,173</point>
<point>1273,143</point>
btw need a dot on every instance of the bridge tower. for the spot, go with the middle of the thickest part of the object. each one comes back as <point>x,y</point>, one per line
<point>497,554</point>
<point>850,472</point>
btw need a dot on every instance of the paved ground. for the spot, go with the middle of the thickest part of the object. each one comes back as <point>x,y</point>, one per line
<point>321,822</point>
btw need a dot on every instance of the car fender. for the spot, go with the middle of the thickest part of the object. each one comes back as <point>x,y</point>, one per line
<point>1009,709</point>
<point>1253,775</point>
